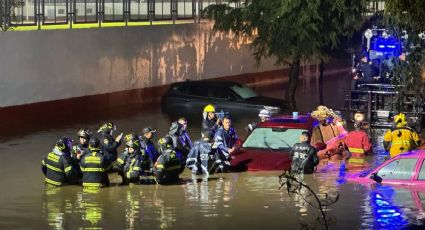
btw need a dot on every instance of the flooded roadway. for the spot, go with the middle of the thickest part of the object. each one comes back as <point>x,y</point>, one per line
<point>249,200</point>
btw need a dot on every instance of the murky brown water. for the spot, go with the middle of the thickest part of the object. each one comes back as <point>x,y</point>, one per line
<point>249,200</point>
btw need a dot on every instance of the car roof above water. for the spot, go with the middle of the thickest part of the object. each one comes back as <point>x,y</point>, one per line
<point>208,82</point>
<point>419,153</point>
<point>301,122</point>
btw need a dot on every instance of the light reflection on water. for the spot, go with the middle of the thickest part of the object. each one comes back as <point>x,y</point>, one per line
<point>249,200</point>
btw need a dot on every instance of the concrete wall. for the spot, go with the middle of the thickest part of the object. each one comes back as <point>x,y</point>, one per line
<point>38,66</point>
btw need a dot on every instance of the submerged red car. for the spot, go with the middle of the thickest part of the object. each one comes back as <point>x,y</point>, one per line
<point>269,145</point>
<point>405,170</point>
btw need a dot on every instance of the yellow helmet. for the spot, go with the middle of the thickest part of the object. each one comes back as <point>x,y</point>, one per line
<point>400,120</point>
<point>209,109</point>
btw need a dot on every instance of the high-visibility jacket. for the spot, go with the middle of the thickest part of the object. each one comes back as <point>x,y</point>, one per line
<point>109,147</point>
<point>133,165</point>
<point>58,168</point>
<point>400,141</point>
<point>93,166</point>
<point>168,167</point>
<point>358,144</point>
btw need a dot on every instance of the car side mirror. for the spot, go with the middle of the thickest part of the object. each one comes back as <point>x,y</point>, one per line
<point>320,146</point>
<point>376,178</point>
<point>230,99</point>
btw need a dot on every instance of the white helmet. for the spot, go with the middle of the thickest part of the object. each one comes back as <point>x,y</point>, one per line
<point>265,113</point>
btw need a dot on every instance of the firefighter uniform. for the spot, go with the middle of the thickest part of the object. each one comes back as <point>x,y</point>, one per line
<point>94,166</point>
<point>402,139</point>
<point>208,124</point>
<point>133,163</point>
<point>58,166</point>
<point>168,166</point>
<point>358,144</point>
<point>109,146</point>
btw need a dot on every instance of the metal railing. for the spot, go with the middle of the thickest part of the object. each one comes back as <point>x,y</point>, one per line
<point>17,13</point>
<point>380,103</point>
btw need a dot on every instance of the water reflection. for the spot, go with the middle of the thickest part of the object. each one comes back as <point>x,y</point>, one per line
<point>90,208</point>
<point>211,196</point>
<point>54,207</point>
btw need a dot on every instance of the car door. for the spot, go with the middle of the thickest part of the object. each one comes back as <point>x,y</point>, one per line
<point>224,99</point>
<point>197,98</point>
<point>399,171</point>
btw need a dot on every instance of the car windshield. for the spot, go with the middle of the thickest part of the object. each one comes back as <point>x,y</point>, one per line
<point>273,138</point>
<point>244,92</point>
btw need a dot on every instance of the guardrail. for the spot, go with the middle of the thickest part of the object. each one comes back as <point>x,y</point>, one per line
<point>19,13</point>
<point>23,13</point>
<point>380,104</point>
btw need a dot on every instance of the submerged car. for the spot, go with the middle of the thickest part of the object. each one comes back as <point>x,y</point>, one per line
<point>406,169</point>
<point>190,97</point>
<point>269,145</point>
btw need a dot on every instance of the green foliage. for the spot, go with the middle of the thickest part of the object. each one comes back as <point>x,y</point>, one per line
<point>408,15</point>
<point>285,29</point>
<point>7,12</point>
<point>290,30</point>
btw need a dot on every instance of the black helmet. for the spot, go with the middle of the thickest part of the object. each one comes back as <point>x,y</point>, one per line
<point>135,144</point>
<point>107,127</point>
<point>208,134</point>
<point>165,142</point>
<point>94,144</point>
<point>64,144</point>
<point>84,133</point>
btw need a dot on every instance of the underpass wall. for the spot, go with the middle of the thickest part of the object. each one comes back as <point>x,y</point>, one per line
<point>115,65</point>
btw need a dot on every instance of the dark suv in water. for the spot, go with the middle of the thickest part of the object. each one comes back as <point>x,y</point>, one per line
<point>190,97</point>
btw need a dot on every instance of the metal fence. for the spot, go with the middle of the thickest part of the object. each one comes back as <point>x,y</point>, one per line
<point>56,12</point>
<point>51,12</point>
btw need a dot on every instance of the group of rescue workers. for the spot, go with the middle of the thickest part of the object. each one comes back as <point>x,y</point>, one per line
<point>94,156</point>
<point>370,72</point>
<point>333,141</point>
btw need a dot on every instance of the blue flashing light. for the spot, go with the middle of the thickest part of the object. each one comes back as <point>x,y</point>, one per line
<point>386,46</point>
<point>386,215</point>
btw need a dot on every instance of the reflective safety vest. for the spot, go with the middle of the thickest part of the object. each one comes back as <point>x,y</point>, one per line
<point>401,140</point>
<point>58,168</point>
<point>358,145</point>
<point>93,166</point>
<point>168,167</point>
<point>132,166</point>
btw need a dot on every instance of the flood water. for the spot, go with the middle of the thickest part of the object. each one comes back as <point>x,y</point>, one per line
<point>248,200</point>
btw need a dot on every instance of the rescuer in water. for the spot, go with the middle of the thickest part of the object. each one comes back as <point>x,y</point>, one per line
<point>147,144</point>
<point>201,156</point>
<point>94,166</point>
<point>168,166</point>
<point>401,139</point>
<point>109,145</point>
<point>210,122</point>
<point>326,130</point>
<point>358,144</point>
<point>82,147</point>
<point>58,166</point>
<point>225,140</point>
<point>304,156</point>
<point>133,163</point>
<point>263,115</point>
